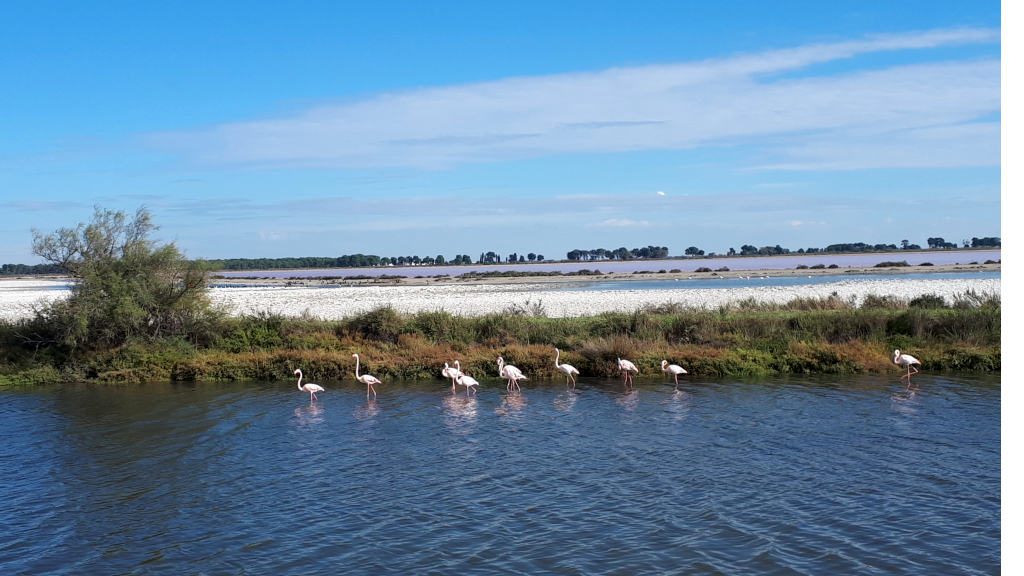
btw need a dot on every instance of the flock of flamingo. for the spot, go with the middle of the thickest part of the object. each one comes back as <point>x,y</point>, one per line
<point>513,375</point>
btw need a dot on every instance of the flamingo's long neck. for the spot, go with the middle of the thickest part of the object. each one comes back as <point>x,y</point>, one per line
<point>458,366</point>
<point>357,367</point>
<point>299,383</point>
<point>557,353</point>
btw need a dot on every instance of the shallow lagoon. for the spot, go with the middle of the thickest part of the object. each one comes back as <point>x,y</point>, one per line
<point>822,475</point>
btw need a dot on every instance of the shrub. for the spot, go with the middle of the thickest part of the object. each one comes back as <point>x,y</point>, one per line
<point>928,301</point>
<point>128,286</point>
<point>382,324</point>
<point>703,269</point>
<point>891,264</point>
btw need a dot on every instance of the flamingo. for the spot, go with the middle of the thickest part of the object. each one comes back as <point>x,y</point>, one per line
<point>627,368</point>
<point>569,370</point>
<point>906,361</point>
<point>468,382</point>
<point>308,386</point>
<point>366,379</point>
<point>674,369</point>
<point>510,373</point>
<point>452,373</point>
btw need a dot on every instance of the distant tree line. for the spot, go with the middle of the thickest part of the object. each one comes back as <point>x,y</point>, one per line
<point>20,269</point>
<point>513,258</point>
<point>618,253</point>
<point>345,261</point>
<point>490,257</point>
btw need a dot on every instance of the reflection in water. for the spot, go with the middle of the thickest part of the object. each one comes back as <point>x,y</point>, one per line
<point>677,404</point>
<point>905,402</point>
<point>565,401</point>
<point>512,404</point>
<point>460,413</point>
<point>629,400</point>
<point>309,415</point>
<point>367,411</point>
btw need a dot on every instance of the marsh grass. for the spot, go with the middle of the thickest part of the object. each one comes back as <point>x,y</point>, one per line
<point>748,338</point>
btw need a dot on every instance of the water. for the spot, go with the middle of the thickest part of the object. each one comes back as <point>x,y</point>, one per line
<point>789,262</point>
<point>764,281</point>
<point>809,476</point>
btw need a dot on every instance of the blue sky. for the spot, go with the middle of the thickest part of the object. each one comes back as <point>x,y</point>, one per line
<point>402,128</point>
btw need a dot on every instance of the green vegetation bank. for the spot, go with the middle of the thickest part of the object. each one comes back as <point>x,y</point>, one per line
<point>139,313</point>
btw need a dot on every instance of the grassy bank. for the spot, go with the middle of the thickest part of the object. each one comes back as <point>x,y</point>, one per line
<point>810,336</point>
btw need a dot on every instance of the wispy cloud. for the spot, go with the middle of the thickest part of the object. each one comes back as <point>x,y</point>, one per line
<point>812,121</point>
<point>622,223</point>
<point>41,205</point>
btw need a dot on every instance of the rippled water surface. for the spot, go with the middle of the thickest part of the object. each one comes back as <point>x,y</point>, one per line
<point>786,476</point>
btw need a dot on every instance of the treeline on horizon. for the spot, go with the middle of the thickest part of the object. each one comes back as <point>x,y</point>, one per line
<point>490,257</point>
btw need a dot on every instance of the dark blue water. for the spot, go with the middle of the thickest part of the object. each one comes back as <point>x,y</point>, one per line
<point>789,262</point>
<point>770,477</point>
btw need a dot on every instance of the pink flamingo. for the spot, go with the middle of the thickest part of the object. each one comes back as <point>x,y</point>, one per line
<point>673,369</point>
<point>468,382</point>
<point>628,369</point>
<point>906,361</point>
<point>510,373</point>
<point>452,373</point>
<point>308,386</point>
<point>567,369</point>
<point>370,381</point>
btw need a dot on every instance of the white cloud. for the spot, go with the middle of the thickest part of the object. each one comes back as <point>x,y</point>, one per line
<point>622,223</point>
<point>660,193</point>
<point>905,112</point>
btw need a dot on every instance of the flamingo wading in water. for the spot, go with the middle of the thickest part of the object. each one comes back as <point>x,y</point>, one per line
<point>452,373</point>
<point>569,370</point>
<point>467,381</point>
<point>906,361</point>
<point>628,369</point>
<point>510,373</point>
<point>370,381</point>
<point>308,386</point>
<point>673,369</point>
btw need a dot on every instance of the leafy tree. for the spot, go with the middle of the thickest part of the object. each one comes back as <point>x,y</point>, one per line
<point>939,242</point>
<point>127,285</point>
<point>986,242</point>
<point>694,251</point>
